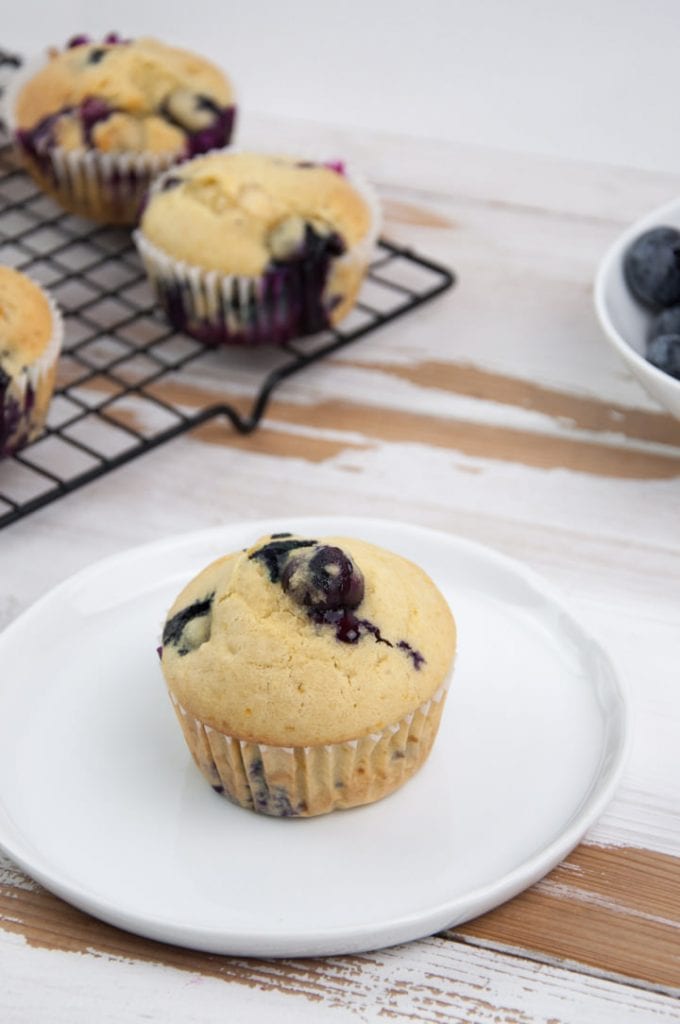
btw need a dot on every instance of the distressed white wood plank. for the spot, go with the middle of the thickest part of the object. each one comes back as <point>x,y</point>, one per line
<point>587,191</point>
<point>431,981</point>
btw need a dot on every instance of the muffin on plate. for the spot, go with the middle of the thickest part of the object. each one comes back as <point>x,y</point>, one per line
<point>97,121</point>
<point>30,342</point>
<point>308,675</point>
<point>252,248</point>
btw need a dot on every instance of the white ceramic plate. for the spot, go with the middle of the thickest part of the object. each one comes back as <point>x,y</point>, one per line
<point>624,321</point>
<point>100,801</point>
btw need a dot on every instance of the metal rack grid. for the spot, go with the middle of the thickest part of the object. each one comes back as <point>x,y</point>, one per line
<point>123,373</point>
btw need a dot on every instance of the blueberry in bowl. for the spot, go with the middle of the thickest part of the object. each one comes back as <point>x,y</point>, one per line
<point>663,341</point>
<point>651,266</point>
<point>637,301</point>
<point>95,122</point>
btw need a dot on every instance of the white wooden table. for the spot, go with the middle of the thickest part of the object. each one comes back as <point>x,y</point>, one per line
<point>496,413</point>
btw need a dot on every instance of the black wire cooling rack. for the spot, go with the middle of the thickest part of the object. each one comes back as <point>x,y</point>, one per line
<point>125,377</point>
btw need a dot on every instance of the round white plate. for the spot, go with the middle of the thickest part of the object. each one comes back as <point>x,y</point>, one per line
<point>100,801</point>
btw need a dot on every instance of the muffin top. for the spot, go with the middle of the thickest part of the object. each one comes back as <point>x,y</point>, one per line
<point>126,96</point>
<point>26,325</point>
<point>298,641</point>
<point>243,213</point>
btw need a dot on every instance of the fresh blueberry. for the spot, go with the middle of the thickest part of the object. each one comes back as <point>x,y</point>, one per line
<point>652,267</point>
<point>667,322</point>
<point>663,341</point>
<point>663,351</point>
<point>81,40</point>
<point>324,578</point>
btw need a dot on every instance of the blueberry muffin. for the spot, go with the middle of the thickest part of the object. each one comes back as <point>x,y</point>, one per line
<point>308,675</point>
<point>251,248</point>
<point>30,342</point>
<point>98,120</point>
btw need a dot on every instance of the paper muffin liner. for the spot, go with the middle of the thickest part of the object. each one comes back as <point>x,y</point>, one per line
<point>25,396</point>
<point>105,187</point>
<point>282,303</point>
<point>311,780</point>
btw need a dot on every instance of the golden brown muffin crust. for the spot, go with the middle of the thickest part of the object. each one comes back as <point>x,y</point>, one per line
<point>25,320</point>
<point>135,77</point>
<point>256,666</point>
<point>233,212</point>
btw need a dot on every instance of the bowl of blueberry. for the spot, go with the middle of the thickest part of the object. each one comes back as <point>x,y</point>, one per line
<point>637,299</point>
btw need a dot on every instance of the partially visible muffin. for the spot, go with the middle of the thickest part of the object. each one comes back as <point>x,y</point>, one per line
<point>100,119</point>
<point>248,247</point>
<point>30,342</point>
<point>307,674</point>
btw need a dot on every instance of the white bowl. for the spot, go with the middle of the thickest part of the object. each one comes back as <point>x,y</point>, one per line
<point>624,321</point>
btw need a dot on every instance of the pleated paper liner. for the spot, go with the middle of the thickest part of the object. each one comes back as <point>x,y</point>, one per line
<point>311,780</point>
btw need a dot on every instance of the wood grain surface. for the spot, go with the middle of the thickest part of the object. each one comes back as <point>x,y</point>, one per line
<point>498,413</point>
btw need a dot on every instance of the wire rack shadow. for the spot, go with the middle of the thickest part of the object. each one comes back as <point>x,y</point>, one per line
<point>127,382</point>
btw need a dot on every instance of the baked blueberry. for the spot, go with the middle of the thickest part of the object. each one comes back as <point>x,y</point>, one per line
<point>92,110</point>
<point>327,582</point>
<point>651,267</point>
<point>294,240</point>
<point>323,578</point>
<point>190,627</point>
<point>275,553</point>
